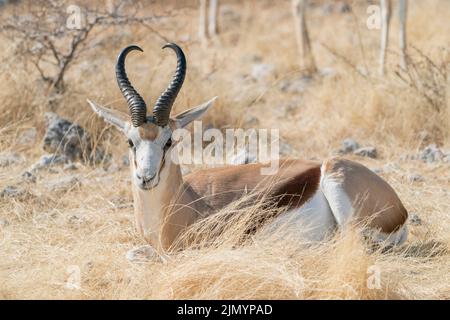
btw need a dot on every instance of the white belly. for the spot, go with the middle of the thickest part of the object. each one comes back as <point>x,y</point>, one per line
<point>312,221</point>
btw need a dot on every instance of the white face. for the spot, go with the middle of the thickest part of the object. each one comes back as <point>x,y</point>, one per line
<point>150,148</point>
<point>150,145</point>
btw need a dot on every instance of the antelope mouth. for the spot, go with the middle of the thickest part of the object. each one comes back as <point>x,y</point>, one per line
<point>149,184</point>
<point>153,182</point>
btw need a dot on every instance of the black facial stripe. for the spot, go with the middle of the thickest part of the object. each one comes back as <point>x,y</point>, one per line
<point>168,143</point>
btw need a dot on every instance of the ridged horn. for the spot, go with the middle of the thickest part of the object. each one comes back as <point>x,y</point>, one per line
<point>136,104</point>
<point>163,105</point>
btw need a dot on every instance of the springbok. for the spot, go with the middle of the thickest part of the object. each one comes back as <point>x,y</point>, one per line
<point>326,195</point>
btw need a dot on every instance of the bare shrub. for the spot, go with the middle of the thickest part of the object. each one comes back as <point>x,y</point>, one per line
<point>428,78</point>
<point>52,40</point>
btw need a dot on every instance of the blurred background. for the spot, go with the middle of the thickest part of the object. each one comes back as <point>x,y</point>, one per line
<point>56,54</point>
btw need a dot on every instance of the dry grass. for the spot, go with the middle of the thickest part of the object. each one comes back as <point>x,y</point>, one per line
<point>90,225</point>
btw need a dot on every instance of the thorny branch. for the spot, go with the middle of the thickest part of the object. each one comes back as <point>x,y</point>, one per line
<point>427,78</point>
<point>43,38</point>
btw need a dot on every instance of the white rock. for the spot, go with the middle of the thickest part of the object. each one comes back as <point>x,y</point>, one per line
<point>369,152</point>
<point>143,254</point>
<point>415,220</point>
<point>46,161</point>
<point>27,176</point>
<point>3,223</point>
<point>432,154</point>
<point>12,192</point>
<point>63,183</point>
<point>298,85</point>
<point>10,158</point>
<point>349,145</point>
<point>261,71</point>
<point>415,178</point>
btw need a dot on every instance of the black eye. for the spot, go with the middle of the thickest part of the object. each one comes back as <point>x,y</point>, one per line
<point>130,143</point>
<point>168,144</point>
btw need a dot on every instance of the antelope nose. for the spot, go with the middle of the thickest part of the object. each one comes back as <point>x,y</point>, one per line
<point>145,178</point>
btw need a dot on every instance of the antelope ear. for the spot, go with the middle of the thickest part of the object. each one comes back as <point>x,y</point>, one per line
<point>116,118</point>
<point>181,120</point>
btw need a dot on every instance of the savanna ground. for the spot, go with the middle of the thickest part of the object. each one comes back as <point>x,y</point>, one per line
<point>45,235</point>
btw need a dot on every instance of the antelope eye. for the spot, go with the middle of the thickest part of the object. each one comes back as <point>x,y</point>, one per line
<point>130,143</point>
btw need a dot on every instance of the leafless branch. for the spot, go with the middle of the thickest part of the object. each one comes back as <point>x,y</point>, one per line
<point>42,37</point>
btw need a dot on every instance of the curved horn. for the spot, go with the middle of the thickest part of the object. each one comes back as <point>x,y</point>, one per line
<point>163,105</point>
<point>136,104</point>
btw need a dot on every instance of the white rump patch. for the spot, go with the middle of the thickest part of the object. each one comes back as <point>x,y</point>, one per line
<point>144,254</point>
<point>340,204</point>
<point>312,221</point>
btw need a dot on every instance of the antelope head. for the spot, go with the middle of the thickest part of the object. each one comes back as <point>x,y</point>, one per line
<point>149,136</point>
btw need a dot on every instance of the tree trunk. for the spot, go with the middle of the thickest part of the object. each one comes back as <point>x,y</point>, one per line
<point>403,12</point>
<point>385,24</point>
<point>213,17</point>
<point>307,61</point>
<point>202,21</point>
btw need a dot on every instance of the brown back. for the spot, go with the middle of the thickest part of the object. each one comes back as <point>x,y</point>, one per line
<point>294,183</point>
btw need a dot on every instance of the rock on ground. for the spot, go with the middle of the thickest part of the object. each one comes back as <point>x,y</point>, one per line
<point>12,192</point>
<point>432,154</point>
<point>298,85</point>
<point>349,145</point>
<point>261,71</point>
<point>370,152</point>
<point>415,178</point>
<point>415,220</point>
<point>142,254</point>
<point>46,161</point>
<point>10,158</point>
<point>69,139</point>
<point>27,176</point>
<point>63,183</point>
<point>71,166</point>
<point>3,223</point>
<point>121,202</point>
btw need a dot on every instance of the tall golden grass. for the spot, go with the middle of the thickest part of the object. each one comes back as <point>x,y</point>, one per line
<point>90,225</point>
